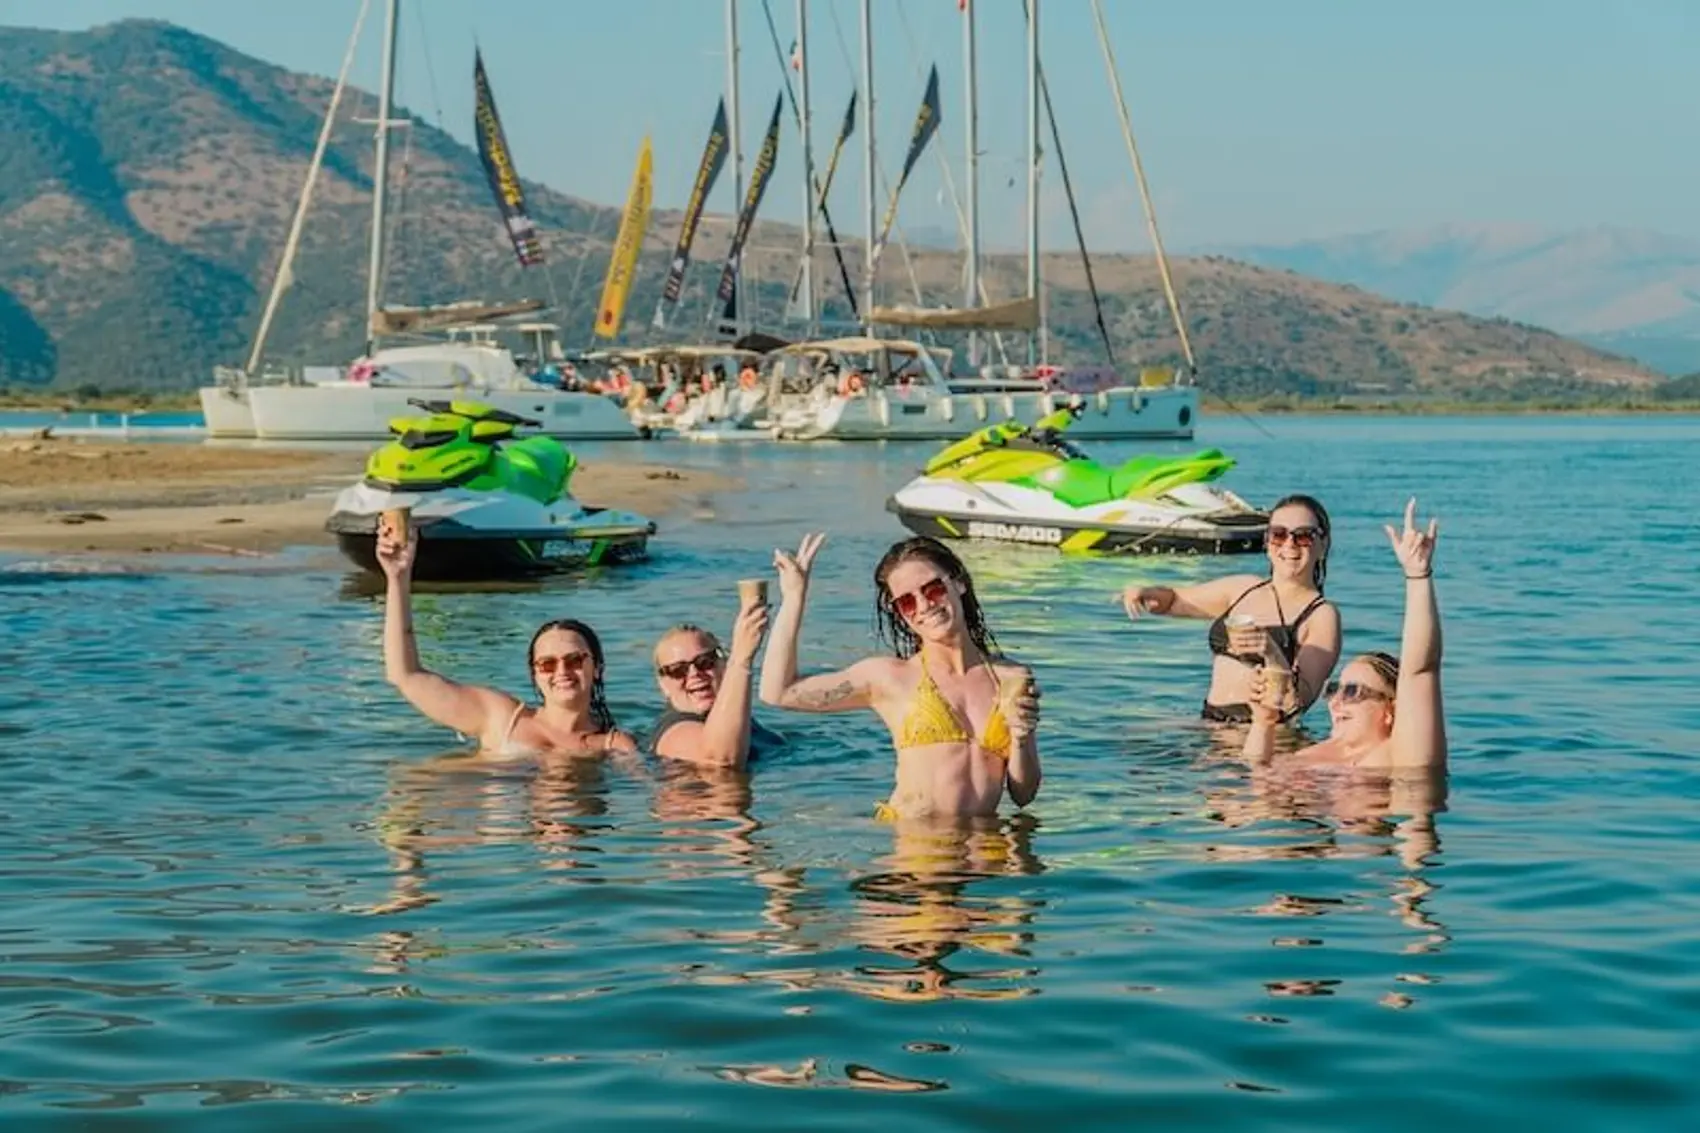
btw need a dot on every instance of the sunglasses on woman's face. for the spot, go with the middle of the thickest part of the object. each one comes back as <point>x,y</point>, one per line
<point>548,665</point>
<point>930,593</point>
<point>1352,692</point>
<point>1301,536</point>
<point>702,663</point>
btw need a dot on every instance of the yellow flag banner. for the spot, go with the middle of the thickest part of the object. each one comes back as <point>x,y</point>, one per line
<point>622,265</point>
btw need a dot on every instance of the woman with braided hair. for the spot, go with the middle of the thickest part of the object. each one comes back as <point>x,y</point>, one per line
<point>565,659</point>
<point>1386,710</point>
<point>962,718</point>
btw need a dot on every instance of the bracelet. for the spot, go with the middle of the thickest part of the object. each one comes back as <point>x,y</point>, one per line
<point>1426,574</point>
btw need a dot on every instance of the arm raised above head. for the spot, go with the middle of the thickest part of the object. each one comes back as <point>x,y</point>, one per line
<point>842,691</point>
<point>1419,715</point>
<point>467,709</point>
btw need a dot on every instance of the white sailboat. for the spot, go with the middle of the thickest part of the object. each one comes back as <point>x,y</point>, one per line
<point>470,364</point>
<point>909,390</point>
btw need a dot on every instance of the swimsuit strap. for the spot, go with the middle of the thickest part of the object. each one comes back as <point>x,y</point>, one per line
<point>1254,586</point>
<point>508,732</point>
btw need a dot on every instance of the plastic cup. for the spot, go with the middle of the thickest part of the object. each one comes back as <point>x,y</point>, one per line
<point>1276,681</point>
<point>752,592</point>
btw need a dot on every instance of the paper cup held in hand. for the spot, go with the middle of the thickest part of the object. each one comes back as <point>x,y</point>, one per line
<point>752,592</point>
<point>397,521</point>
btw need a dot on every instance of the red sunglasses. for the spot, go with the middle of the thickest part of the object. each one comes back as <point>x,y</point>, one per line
<point>932,593</point>
<point>1301,536</point>
<point>548,665</point>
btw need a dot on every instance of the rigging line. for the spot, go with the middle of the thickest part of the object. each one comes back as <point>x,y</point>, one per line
<point>938,151</point>
<point>817,186</point>
<point>1073,208</point>
<point>879,170</point>
<point>1151,215</point>
<point>1144,189</point>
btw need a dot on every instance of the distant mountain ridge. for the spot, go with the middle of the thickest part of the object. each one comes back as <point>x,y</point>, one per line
<point>140,223</point>
<point>1628,290</point>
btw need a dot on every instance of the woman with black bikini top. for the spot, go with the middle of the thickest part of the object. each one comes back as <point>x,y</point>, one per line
<point>1308,646</point>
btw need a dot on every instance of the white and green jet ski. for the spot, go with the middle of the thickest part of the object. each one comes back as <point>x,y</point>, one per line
<point>1013,483</point>
<point>486,504</point>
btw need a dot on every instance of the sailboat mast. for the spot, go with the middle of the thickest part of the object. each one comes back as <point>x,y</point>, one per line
<point>737,147</point>
<point>1033,172</point>
<point>808,167</point>
<point>971,65</point>
<point>868,170</point>
<point>286,266</point>
<point>381,175</point>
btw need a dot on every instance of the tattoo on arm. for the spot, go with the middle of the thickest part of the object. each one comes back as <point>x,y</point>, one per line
<point>820,697</point>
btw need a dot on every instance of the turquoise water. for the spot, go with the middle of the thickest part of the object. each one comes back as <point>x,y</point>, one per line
<point>83,419</point>
<point>236,896</point>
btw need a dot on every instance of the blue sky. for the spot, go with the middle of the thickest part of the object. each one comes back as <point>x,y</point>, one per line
<point>1259,120</point>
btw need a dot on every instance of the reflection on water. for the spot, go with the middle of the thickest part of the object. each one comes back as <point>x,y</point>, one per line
<point>921,909</point>
<point>231,847</point>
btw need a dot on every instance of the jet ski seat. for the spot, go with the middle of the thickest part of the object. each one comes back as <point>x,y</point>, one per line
<point>1146,476</point>
<point>542,465</point>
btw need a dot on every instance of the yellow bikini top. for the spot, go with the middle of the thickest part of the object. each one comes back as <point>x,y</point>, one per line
<point>931,720</point>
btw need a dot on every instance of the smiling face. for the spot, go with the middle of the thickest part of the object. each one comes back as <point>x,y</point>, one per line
<point>1361,704</point>
<point>563,666</point>
<point>1297,542</point>
<point>926,599</point>
<point>689,668</point>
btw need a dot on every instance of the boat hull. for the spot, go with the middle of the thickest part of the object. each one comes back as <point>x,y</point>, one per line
<point>226,411</point>
<point>358,411</point>
<point>1203,521</point>
<point>1169,412</point>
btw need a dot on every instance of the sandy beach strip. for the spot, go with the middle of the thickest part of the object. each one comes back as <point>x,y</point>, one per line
<point>102,496</point>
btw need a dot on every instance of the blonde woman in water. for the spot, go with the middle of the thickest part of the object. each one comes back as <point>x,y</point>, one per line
<point>961,717</point>
<point>1387,711</point>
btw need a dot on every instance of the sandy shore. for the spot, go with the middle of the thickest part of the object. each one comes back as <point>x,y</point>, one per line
<point>98,496</point>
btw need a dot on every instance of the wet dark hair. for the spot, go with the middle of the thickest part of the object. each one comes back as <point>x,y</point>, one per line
<point>600,715</point>
<point>890,627</point>
<point>1319,572</point>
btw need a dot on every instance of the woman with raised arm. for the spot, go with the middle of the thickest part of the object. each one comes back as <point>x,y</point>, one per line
<point>1249,616</point>
<point>1387,711</point>
<point>565,659</point>
<point>961,717</point>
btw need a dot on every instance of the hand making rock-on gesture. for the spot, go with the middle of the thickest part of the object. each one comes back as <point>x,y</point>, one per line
<point>1414,548</point>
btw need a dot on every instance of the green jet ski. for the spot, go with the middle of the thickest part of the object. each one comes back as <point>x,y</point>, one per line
<point>486,504</point>
<point>1015,483</point>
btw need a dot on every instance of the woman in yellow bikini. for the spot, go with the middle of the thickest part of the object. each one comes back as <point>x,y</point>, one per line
<point>961,717</point>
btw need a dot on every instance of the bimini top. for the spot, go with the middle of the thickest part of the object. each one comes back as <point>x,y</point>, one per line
<point>859,344</point>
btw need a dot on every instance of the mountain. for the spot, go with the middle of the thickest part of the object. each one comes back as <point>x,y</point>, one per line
<point>1625,290</point>
<point>140,224</point>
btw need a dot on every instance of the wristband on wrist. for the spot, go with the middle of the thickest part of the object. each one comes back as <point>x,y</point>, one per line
<point>1425,574</point>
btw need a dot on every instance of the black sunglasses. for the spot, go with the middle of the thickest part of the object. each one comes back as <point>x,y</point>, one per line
<point>702,663</point>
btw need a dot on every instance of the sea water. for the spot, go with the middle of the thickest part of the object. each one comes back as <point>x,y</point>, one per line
<point>239,890</point>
